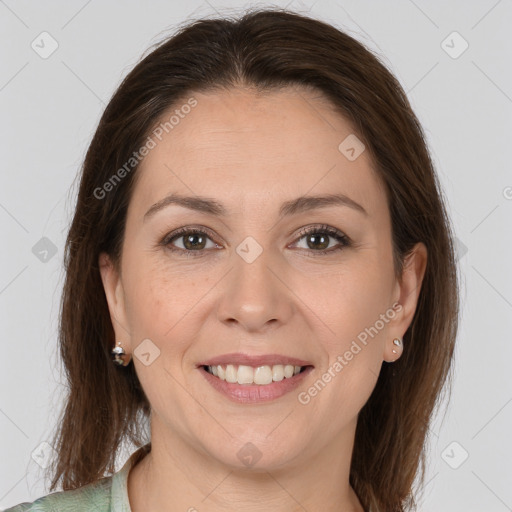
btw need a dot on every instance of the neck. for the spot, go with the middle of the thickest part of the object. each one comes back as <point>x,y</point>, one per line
<point>176,476</point>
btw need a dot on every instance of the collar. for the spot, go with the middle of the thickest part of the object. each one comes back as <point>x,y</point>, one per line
<point>119,501</point>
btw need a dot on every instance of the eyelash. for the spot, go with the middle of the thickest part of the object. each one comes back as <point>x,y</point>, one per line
<point>343,239</point>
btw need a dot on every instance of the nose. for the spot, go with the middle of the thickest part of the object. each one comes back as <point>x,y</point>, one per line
<point>255,295</point>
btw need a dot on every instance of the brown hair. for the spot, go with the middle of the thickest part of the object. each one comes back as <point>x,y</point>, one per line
<point>264,49</point>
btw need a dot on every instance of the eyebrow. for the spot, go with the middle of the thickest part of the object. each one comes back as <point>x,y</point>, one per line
<point>293,207</point>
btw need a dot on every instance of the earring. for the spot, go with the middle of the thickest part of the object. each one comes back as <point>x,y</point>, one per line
<point>118,354</point>
<point>398,343</point>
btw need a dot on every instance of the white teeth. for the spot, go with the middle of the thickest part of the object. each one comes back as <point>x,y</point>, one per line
<point>231,374</point>
<point>277,372</point>
<point>288,371</point>
<point>245,374</point>
<point>261,375</point>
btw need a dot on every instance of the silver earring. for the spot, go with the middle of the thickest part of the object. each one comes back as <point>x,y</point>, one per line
<point>118,354</point>
<point>398,343</point>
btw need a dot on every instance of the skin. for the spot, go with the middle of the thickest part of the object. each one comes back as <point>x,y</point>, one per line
<point>251,152</point>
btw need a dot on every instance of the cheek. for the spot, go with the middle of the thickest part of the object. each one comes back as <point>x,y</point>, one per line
<point>168,303</point>
<point>349,301</point>
<point>164,301</point>
<point>162,307</point>
<point>360,314</point>
<point>349,305</point>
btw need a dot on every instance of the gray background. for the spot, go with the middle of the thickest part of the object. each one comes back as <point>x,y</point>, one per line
<point>50,108</point>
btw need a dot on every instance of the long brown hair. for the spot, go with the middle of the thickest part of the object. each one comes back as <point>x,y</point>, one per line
<point>264,49</point>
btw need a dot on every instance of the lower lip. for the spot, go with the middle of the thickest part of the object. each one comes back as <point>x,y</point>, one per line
<point>255,393</point>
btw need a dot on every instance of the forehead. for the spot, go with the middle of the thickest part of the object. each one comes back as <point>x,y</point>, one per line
<point>242,146</point>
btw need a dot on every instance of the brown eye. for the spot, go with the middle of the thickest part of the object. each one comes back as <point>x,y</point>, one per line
<point>194,241</point>
<point>188,240</point>
<point>318,239</point>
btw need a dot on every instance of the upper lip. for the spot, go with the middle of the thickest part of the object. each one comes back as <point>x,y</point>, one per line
<point>249,360</point>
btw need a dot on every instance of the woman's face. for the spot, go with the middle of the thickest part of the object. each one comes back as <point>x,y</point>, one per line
<point>252,282</point>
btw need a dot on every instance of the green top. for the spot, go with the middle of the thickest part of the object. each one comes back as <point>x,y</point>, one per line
<point>110,494</point>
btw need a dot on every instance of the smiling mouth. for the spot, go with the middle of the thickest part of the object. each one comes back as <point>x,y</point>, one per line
<point>248,375</point>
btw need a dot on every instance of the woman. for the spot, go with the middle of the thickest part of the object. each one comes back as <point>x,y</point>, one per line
<point>260,264</point>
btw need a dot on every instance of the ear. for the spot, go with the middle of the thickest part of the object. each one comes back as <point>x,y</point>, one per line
<point>113,286</point>
<point>406,294</point>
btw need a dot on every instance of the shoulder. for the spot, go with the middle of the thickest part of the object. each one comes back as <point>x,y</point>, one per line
<point>110,494</point>
<point>95,496</point>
